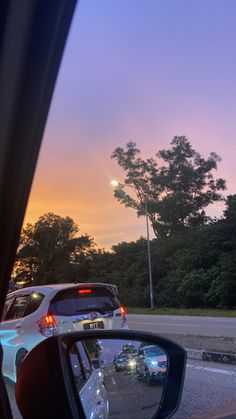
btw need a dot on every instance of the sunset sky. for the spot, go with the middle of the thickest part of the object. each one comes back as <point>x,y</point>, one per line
<point>140,71</point>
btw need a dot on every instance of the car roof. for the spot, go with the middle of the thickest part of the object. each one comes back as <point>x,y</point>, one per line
<point>148,346</point>
<point>162,352</point>
<point>49,288</point>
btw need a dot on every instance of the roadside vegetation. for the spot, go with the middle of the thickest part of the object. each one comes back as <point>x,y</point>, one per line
<point>193,255</point>
<point>182,311</point>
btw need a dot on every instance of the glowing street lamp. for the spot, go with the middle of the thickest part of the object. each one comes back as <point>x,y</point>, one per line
<point>116,184</point>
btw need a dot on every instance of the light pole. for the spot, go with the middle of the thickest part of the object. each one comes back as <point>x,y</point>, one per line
<point>116,184</point>
<point>149,259</point>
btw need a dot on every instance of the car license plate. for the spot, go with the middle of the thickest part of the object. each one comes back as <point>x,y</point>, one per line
<point>94,325</point>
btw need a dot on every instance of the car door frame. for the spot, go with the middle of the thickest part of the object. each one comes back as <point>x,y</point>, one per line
<point>29,62</point>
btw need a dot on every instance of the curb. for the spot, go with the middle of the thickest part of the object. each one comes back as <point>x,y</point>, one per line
<point>203,355</point>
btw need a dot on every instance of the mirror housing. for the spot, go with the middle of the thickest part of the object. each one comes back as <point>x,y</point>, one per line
<point>46,373</point>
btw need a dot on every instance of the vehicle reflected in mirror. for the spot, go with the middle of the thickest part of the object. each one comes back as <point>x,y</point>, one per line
<point>100,375</point>
<point>119,378</point>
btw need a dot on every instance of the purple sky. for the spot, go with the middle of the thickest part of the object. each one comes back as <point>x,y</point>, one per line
<point>140,71</point>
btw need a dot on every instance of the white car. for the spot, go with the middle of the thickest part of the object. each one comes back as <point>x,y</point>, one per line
<point>89,381</point>
<point>151,364</point>
<point>35,313</point>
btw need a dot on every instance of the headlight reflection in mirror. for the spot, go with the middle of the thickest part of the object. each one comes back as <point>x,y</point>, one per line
<point>119,379</point>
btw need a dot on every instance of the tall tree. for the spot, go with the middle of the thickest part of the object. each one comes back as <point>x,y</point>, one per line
<point>51,250</point>
<point>175,187</point>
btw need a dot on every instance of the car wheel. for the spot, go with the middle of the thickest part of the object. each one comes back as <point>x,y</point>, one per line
<point>19,360</point>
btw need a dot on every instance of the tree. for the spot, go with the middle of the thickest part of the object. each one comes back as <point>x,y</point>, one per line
<point>125,266</point>
<point>230,210</point>
<point>176,192</point>
<point>51,250</point>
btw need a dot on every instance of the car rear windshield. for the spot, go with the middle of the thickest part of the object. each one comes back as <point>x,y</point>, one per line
<point>154,351</point>
<point>70,302</point>
<point>122,357</point>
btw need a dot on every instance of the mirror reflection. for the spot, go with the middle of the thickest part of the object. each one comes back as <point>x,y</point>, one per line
<point>119,379</point>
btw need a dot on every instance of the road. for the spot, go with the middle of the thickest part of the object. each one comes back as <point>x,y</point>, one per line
<point>130,398</point>
<point>205,326</point>
<point>206,385</point>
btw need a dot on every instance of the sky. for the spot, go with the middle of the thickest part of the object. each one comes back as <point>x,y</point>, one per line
<point>140,71</point>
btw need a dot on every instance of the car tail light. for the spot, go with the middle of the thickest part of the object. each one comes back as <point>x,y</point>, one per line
<point>123,311</point>
<point>47,325</point>
<point>85,291</point>
<point>123,314</point>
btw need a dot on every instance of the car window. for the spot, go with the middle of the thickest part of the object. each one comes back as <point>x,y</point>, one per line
<point>153,351</point>
<point>80,364</point>
<point>71,302</point>
<point>7,307</point>
<point>87,367</point>
<point>76,367</point>
<point>19,307</point>
<point>34,302</point>
<point>122,357</point>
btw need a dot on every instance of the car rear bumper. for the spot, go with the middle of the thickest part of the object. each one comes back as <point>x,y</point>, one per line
<point>158,376</point>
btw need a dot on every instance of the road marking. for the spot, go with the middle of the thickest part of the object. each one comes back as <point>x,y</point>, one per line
<point>213,370</point>
<point>185,318</point>
<point>113,381</point>
<point>173,324</point>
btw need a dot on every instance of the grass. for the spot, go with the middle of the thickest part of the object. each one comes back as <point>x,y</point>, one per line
<point>182,311</point>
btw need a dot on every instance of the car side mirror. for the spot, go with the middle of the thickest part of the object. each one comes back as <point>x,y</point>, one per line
<point>102,364</point>
<point>63,382</point>
<point>96,363</point>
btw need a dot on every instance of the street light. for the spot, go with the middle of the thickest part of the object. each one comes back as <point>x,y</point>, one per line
<point>116,184</point>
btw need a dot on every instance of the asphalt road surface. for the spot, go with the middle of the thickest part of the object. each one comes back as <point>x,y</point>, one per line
<point>130,398</point>
<point>207,386</point>
<point>196,325</point>
<point>209,391</point>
